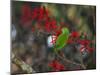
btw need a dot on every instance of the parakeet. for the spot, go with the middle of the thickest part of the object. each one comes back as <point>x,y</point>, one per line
<point>62,38</point>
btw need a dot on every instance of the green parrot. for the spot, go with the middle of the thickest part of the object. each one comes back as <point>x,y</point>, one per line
<point>62,39</point>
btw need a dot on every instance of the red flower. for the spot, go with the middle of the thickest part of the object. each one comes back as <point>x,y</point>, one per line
<point>70,41</point>
<point>90,50</point>
<point>50,25</point>
<point>40,14</point>
<point>58,32</point>
<point>56,66</point>
<point>75,34</point>
<point>54,38</point>
<point>84,42</point>
<point>35,13</point>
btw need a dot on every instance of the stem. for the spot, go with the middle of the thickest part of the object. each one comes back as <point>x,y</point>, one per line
<point>69,61</point>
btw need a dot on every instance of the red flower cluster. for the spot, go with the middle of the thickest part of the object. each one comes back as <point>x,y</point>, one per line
<point>54,38</point>
<point>28,15</point>
<point>38,14</point>
<point>69,41</point>
<point>72,37</point>
<point>86,44</point>
<point>75,34</point>
<point>51,25</point>
<point>56,66</point>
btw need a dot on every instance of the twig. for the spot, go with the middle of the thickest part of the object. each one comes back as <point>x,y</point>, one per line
<point>23,65</point>
<point>69,61</point>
